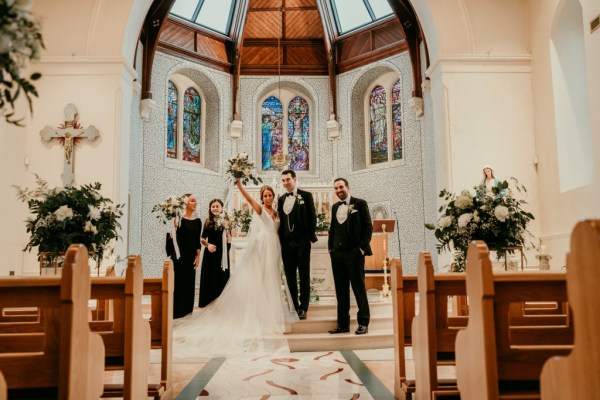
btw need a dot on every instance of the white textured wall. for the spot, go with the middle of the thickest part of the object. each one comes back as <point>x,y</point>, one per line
<point>561,211</point>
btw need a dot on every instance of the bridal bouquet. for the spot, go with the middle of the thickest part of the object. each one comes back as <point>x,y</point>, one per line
<point>226,220</point>
<point>499,220</point>
<point>171,208</point>
<point>241,168</point>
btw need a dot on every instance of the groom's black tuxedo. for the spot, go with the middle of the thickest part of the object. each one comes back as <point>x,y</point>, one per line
<point>346,240</point>
<point>296,232</point>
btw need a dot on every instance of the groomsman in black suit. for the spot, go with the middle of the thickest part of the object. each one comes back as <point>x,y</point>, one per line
<point>349,242</point>
<point>298,217</point>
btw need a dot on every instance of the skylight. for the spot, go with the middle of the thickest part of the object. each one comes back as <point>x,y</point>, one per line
<point>212,14</point>
<point>352,14</point>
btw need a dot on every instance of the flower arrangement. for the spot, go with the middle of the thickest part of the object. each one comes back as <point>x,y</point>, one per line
<point>226,220</point>
<point>240,168</point>
<point>20,42</point>
<point>497,219</point>
<point>170,208</point>
<point>63,216</point>
<point>322,223</point>
<point>243,219</point>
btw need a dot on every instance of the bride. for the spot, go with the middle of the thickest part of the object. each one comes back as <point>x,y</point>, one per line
<point>253,311</point>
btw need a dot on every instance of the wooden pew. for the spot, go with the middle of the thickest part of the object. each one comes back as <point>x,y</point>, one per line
<point>575,376</point>
<point>488,364</point>
<point>127,337</point>
<point>3,395</point>
<point>161,330</point>
<point>434,331</point>
<point>404,289</point>
<point>102,311</point>
<point>68,360</point>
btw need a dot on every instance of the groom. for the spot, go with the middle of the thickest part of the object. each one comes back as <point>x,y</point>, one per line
<point>349,242</point>
<point>296,210</point>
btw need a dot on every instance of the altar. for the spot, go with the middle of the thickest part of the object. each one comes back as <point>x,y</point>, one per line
<point>320,264</point>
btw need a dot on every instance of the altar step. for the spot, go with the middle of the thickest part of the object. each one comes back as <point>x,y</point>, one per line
<point>312,333</point>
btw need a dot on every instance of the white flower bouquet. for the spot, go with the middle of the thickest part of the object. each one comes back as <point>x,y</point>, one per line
<point>69,215</point>
<point>241,168</point>
<point>499,220</point>
<point>171,208</point>
<point>226,220</point>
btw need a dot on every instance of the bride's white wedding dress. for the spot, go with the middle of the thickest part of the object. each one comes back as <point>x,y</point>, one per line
<point>252,313</point>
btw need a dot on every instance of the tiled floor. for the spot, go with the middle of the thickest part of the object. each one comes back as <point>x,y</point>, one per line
<point>308,375</point>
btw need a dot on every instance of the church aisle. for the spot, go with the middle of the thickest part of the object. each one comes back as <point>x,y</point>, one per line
<point>322,375</point>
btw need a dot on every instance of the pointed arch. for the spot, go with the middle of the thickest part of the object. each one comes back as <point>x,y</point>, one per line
<point>397,120</point>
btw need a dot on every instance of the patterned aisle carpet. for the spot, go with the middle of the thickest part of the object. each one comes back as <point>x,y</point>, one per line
<point>312,375</point>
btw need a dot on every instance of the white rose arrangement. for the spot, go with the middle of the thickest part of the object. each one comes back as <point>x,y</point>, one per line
<point>241,168</point>
<point>499,220</point>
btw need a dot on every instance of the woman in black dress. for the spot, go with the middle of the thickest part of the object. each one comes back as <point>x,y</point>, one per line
<point>188,241</point>
<point>212,276</point>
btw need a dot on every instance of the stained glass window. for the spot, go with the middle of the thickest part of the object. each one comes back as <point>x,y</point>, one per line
<point>191,126</point>
<point>397,120</point>
<point>172,121</point>
<point>378,125</point>
<point>298,139</point>
<point>272,131</point>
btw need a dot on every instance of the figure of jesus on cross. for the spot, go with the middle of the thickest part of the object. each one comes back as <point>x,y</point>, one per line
<point>68,134</point>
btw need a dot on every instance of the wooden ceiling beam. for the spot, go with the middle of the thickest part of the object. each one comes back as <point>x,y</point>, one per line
<point>299,8</point>
<point>414,36</point>
<point>157,14</point>
<point>235,52</point>
<point>325,12</point>
<point>273,42</point>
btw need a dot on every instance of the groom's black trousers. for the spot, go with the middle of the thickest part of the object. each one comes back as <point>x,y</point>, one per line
<point>296,257</point>
<point>349,270</point>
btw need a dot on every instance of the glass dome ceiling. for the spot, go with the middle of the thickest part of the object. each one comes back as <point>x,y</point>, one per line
<point>211,14</point>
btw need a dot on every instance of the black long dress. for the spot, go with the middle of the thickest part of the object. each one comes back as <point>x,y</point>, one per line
<point>188,240</point>
<point>212,276</point>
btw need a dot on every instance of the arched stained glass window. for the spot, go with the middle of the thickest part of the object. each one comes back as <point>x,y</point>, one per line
<point>191,126</point>
<point>272,131</point>
<point>172,121</point>
<point>397,120</point>
<point>298,134</point>
<point>378,125</point>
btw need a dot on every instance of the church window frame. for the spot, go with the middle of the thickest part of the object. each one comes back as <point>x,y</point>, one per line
<point>285,97</point>
<point>183,84</point>
<point>387,82</point>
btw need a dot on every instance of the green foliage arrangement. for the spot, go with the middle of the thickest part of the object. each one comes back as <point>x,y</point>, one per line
<point>243,219</point>
<point>20,42</point>
<point>497,219</point>
<point>65,216</point>
<point>322,223</point>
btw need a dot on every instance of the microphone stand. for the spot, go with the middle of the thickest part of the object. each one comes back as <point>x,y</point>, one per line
<point>398,232</point>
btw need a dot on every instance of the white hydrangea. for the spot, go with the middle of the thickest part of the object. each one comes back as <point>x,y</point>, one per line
<point>465,200</point>
<point>63,213</point>
<point>445,221</point>
<point>501,213</point>
<point>464,219</point>
<point>89,227</point>
<point>94,213</point>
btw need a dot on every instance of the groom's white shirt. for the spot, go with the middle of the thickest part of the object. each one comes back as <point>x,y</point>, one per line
<point>342,211</point>
<point>288,204</point>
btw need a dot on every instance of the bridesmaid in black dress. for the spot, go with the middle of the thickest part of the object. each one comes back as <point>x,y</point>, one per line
<point>212,276</point>
<point>188,240</point>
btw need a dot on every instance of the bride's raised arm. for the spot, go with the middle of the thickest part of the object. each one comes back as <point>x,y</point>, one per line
<point>257,208</point>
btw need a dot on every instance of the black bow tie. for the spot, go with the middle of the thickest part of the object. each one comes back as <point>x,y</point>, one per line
<point>289,194</point>
<point>344,202</point>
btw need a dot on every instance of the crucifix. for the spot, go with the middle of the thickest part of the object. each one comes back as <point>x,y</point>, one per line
<point>68,134</point>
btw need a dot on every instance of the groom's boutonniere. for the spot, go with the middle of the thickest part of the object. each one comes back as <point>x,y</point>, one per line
<point>351,209</point>
<point>299,199</point>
